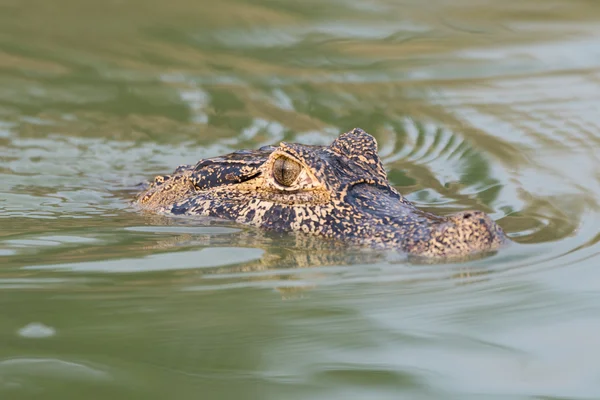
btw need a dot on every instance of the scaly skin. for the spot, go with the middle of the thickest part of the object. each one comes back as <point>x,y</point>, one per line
<point>339,191</point>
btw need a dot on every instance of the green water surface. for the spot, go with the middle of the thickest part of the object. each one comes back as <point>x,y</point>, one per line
<point>493,105</point>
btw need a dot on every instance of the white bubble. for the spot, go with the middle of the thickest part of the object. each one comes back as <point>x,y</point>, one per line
<point>37,330</point>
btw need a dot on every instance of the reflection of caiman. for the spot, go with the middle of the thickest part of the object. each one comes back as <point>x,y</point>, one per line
<point>339,191</point>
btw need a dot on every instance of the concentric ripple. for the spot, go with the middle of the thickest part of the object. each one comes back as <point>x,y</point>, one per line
<point>475,105</point>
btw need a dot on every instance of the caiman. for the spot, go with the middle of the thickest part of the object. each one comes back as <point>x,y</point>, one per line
<point>340,191</point>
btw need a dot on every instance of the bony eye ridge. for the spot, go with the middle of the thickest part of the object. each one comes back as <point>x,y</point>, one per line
<point>286,171</point>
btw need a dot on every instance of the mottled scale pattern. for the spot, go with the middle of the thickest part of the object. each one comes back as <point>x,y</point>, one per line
<point>341,192</point>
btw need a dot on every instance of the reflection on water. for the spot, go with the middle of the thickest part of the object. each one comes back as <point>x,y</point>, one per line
<point>484,105</point>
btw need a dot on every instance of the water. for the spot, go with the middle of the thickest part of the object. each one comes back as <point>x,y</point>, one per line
<point>475,104</point>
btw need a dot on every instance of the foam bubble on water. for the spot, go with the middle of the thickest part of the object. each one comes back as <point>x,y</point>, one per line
<point>37,330</point>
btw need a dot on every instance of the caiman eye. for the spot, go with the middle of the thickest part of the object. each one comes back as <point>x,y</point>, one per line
<point>285,171</point>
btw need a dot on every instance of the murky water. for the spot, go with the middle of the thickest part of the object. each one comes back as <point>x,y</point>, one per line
<point>475,104</point>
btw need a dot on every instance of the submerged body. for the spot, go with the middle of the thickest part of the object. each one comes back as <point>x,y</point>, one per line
<point>339,191</point>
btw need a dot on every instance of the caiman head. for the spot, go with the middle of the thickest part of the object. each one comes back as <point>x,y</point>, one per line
<point>339,191</point>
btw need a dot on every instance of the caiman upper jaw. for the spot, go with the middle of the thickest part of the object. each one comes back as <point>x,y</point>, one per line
<point>463,233</point>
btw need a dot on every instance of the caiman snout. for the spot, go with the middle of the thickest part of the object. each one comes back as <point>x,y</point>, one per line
<point>463,233</point>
